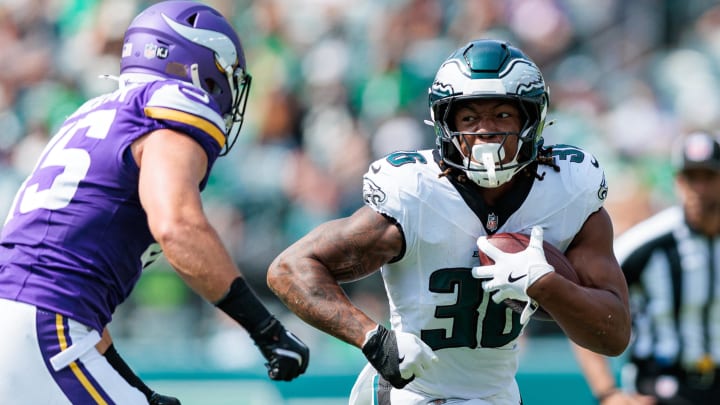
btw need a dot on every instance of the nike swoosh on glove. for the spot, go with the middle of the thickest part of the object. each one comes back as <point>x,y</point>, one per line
<point>286,354</point>
<point>513,273</point>
<point>399,357</point>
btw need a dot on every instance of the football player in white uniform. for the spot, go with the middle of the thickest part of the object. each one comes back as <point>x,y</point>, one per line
<point>452,339</point>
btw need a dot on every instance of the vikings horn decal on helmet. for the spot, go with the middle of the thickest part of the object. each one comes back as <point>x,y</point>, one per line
<point>192,42</point>
<point>489,69</point>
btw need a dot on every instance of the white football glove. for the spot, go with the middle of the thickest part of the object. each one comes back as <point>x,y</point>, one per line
<point>513,273</point>
<point>398,356</point>
<point>417,355</point>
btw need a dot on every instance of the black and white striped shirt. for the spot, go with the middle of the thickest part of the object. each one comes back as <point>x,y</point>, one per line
<point>674,279</point>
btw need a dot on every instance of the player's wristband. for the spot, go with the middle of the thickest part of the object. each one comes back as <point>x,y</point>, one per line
<point>242,305</point>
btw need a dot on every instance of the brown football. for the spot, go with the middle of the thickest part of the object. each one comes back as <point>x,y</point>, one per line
<point>516,242</point>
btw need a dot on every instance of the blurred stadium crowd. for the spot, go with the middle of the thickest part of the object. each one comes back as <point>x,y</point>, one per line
<point>338,83</point>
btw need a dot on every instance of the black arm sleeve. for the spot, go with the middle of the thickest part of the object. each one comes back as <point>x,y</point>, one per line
<point>113,357</point>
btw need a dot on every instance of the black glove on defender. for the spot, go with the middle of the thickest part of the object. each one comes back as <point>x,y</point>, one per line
<point>287,356</point>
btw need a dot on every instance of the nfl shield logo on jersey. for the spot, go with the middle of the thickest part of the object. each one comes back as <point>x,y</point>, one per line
<point>492,222</point>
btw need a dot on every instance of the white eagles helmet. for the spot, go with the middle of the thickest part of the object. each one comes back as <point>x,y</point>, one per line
<point>489,69</point>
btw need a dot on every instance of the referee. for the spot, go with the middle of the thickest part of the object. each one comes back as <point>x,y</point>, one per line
<point>672,265</point>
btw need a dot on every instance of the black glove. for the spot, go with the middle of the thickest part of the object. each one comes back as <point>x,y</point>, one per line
<point>287,355</point>
<point>157,399</point>
<point>382,352</point>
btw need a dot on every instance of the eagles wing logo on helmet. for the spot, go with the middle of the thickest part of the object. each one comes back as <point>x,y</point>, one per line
<point>524,77</point>
<point>441,89</point>
<point>489,69</point>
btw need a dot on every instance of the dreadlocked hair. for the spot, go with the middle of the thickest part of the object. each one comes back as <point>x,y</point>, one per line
<point>544,157</point>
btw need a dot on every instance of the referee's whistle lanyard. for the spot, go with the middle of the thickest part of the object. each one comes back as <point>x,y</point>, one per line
<point>77,349</point>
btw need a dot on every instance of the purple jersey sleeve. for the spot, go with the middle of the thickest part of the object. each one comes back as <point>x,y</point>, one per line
<point>76,238</point>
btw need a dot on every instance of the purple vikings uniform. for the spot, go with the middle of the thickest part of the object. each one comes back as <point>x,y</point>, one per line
<point>77,236</point>
<point>76,239</point>
<point>84,191</point>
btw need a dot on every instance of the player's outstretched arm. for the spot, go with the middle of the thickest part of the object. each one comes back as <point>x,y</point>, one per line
<point>307,274</point>
<point>306,278</point>
<point>172,167</point>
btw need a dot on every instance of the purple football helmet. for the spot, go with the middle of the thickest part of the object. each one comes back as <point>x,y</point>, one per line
<point>192,42</point>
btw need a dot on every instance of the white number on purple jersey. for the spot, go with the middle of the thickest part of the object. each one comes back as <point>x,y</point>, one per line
<point>75,163</point>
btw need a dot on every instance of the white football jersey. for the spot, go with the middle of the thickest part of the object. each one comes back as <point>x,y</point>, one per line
<point>431,291</point>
